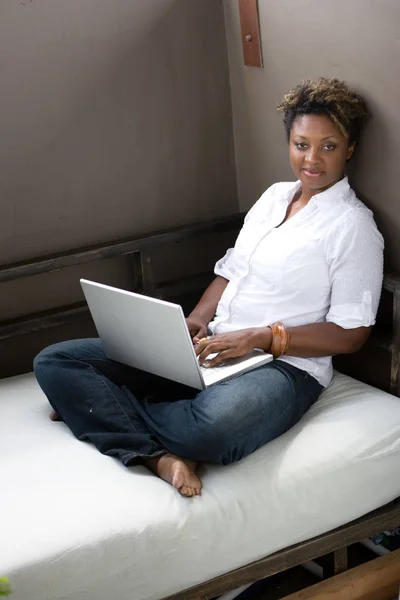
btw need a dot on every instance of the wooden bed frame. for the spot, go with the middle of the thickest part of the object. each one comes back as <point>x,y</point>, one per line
<point>385,337</point>
<point>375,580</point>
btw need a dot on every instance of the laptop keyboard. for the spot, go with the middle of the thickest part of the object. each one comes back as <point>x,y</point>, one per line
<point>205,370</point>
<point>233,366</point>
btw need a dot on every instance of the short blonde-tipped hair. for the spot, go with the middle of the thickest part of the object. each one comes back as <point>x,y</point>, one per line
<point>330,97</point>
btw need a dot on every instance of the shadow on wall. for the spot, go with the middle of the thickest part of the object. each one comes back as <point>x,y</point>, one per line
<point>370,171</point>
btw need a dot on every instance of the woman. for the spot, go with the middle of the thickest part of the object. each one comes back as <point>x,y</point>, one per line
<point>302,281</point>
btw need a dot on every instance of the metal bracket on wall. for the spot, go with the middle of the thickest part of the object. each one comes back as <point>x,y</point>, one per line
<point>250,27</point>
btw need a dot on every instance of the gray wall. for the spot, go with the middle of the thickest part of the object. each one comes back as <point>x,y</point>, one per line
<point>357,41</point>
<point>115,120</point>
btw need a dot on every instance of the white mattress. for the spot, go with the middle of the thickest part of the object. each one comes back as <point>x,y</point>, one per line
<point>78,525</point>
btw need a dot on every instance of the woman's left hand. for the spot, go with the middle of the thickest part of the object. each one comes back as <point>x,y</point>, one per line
<point>232,345</point>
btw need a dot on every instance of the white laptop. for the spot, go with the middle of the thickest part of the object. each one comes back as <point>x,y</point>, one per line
<point>152,335</point>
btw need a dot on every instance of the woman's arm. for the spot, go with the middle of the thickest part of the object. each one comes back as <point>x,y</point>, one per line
<point>306,341</point>
<point>204,311</point>
<point>317,339</point>
<point>325,339</point>
<point>207,305</point>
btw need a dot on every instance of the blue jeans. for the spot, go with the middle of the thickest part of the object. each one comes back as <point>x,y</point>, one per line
<point>131,414</point>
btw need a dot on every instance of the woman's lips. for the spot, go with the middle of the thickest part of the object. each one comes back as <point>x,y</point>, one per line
<point>312,173</point>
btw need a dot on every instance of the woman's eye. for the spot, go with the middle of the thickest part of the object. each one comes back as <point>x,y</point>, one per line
<point>301,145</point>
<point>329,147</point>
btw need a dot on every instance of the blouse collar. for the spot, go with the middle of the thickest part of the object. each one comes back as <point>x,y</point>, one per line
<point>339,189</point>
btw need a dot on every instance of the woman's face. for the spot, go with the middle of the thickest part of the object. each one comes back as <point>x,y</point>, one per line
<point>318,152</point>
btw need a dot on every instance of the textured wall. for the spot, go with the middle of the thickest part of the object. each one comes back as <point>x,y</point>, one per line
<point>357,41</point>
<point>115,120</point>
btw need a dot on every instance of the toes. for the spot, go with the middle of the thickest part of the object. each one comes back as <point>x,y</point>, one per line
<point>187,491</point>
<point>178,473</point>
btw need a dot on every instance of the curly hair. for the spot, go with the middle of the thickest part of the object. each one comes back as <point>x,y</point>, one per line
<point>330,97</point>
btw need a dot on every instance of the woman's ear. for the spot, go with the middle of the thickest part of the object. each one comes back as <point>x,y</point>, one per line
<point>350,151</point>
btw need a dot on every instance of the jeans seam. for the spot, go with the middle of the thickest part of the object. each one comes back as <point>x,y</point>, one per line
<point>84,359</point>
<point>103,382</point>
<point>113,395</point>
<point>132,454</point>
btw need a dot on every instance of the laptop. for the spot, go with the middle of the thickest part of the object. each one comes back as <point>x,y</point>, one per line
<point>152,335</point>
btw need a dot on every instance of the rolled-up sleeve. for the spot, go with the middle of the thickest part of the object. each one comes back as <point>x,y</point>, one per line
<point>225,266</point>
<point>355,255</point>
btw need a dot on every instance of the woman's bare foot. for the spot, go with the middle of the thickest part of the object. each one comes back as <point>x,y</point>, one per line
<point>55,416</point>
<point>179,472</point>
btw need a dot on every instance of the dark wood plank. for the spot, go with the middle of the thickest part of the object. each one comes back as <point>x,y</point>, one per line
<point>386,517</point>
<point>176,288</point>
<point>383,340</point>
<point>391,282</point>
<point>336,563</point>
<point>250,28</point>
<point>123,247</point>
<point>340,560</point>
<point>65,314</point>
<point>144,270</point>
<point>43,320</point>
<point>395,363</point>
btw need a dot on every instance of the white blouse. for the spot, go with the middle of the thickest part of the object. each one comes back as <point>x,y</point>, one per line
<point>324,264</point>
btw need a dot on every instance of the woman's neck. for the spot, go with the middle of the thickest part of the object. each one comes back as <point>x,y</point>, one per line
<point>304,195</point>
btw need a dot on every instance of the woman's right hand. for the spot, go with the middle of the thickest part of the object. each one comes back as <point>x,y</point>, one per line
<point>197,328</point>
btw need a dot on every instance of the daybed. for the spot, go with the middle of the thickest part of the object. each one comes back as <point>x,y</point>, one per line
<point>76,525</point>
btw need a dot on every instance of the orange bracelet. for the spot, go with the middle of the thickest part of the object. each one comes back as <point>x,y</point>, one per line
<point>280,339</point>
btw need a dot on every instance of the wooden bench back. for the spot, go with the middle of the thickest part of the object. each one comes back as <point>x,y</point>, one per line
<point>384,343</point>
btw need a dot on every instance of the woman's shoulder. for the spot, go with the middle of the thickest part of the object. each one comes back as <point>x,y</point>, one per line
<point>348,207</point>
<point>277,192</point>
<point>282,188</point>
<point>352,219</point>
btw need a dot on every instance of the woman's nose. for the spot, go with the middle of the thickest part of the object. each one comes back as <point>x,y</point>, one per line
<point>313,155</point>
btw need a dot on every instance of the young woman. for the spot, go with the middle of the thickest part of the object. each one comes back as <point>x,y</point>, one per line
<point>303,281</point>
